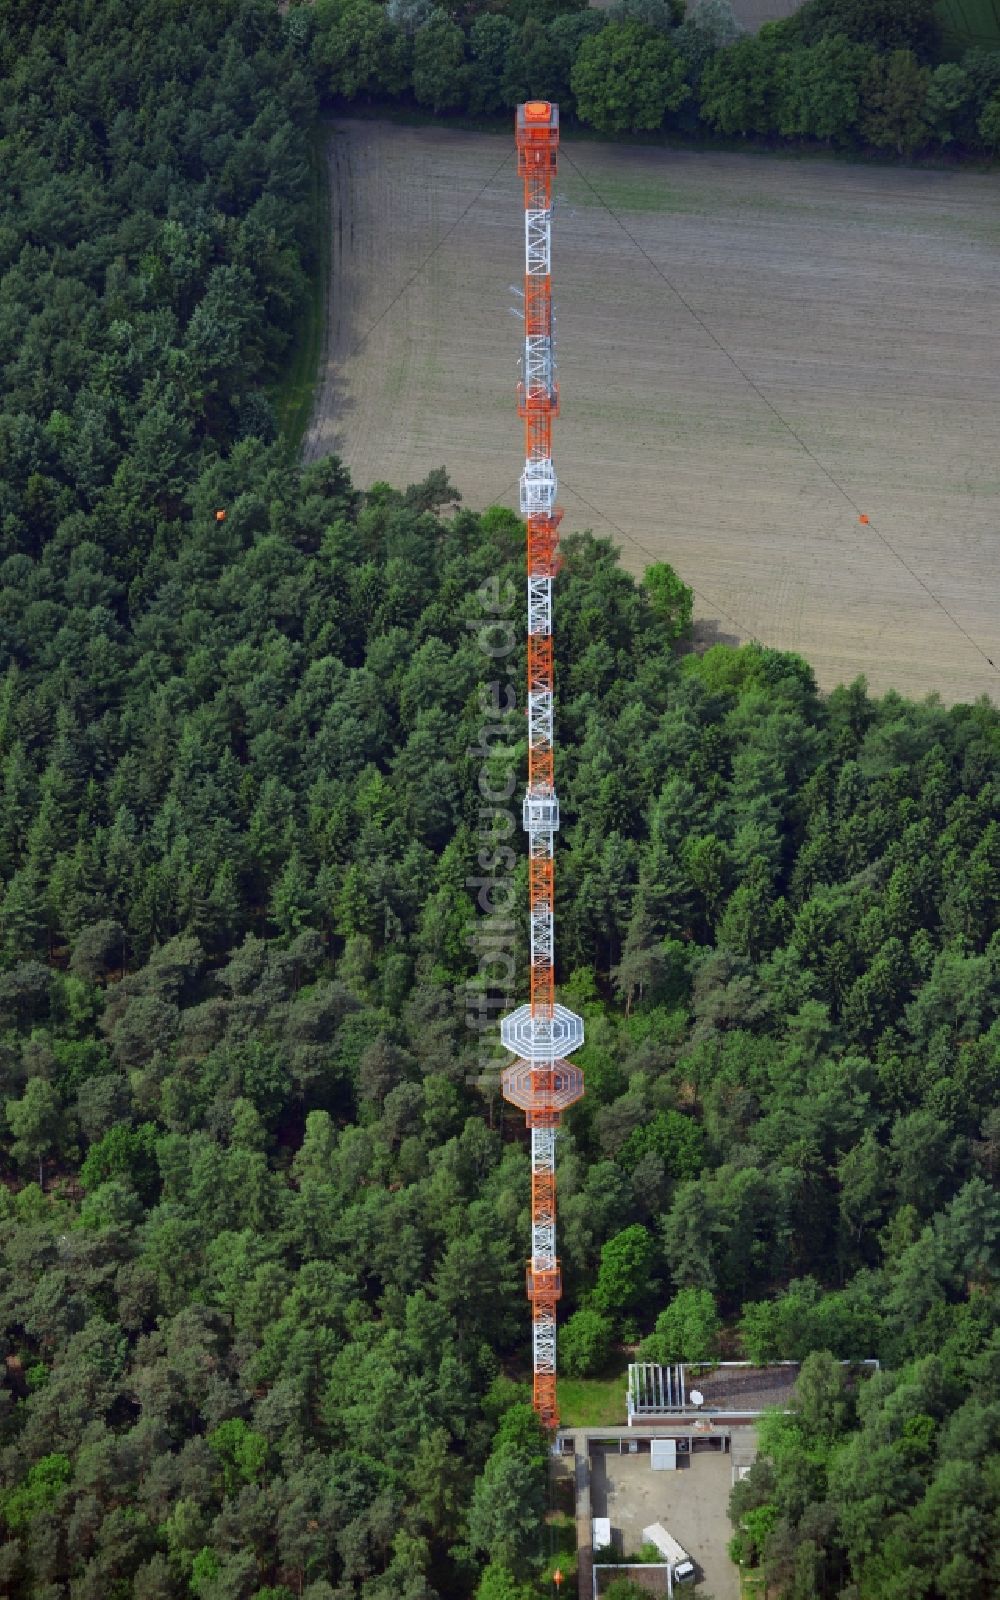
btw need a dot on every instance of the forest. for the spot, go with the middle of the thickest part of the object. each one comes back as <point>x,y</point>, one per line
<point>872,76</point>
<point>263,1212</point>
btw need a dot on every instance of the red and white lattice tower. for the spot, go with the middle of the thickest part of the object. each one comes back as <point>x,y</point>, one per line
<point>542,1034</point>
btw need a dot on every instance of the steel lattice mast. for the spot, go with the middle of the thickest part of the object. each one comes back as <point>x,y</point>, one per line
<point>542,1033</point>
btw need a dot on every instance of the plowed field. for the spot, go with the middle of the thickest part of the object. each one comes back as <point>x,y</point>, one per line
<point>753,352</point>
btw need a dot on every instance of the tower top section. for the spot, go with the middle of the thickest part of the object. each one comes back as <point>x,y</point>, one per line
<point>537,137</point>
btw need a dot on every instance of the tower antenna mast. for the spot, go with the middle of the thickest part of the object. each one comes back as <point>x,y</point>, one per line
<point>541,1034</point>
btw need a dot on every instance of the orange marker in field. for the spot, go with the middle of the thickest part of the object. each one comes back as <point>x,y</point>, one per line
<point>863,516</point>
<point>557,1578</point>
<point>220,516</point>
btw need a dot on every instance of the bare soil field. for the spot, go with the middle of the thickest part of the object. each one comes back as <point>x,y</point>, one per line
<point>752,353</point>
<point>750,14</point>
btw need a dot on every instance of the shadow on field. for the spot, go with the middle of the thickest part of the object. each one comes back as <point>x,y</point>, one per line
<point>708,631</point>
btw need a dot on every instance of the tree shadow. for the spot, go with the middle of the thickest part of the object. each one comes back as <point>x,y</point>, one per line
<point>709,631</point>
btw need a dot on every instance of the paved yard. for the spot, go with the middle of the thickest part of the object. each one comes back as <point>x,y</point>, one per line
<point>691,1504</point>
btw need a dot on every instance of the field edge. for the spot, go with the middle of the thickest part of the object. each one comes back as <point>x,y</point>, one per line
<point>293,395</point>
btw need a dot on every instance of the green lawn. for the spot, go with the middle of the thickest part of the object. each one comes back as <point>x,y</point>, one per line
<point>593,1402</point>
<point>752,1585</point>
<point>292,396</point>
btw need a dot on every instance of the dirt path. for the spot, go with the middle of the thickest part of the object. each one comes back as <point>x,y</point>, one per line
<point>771,347</point>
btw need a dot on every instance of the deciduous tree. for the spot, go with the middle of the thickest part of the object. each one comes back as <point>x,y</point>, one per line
<point>627,78</point>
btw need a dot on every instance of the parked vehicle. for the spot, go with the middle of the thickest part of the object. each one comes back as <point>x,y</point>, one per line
<point>682,1568</point>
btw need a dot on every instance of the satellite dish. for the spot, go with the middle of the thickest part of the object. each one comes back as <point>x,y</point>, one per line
<point>696,1397</point>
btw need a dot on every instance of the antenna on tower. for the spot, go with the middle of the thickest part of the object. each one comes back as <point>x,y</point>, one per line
<point>541,1034</point>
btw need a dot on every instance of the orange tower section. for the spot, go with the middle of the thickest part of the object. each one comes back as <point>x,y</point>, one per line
<point>541,1034</point>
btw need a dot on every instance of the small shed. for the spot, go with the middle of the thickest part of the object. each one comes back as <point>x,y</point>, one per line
<point>663,1455</point>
